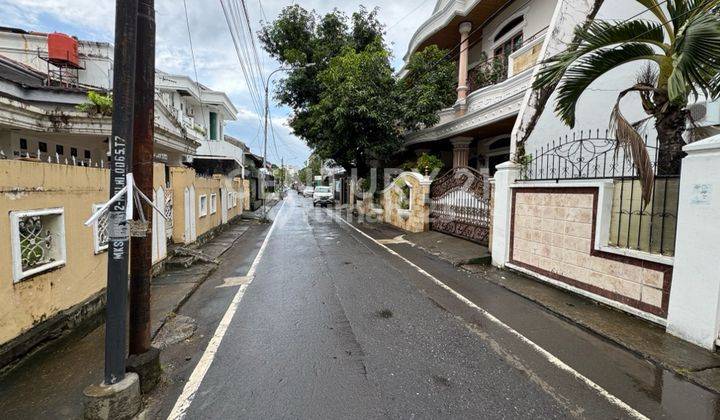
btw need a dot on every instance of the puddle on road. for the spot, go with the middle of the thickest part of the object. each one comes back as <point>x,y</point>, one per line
<point>682,399</point>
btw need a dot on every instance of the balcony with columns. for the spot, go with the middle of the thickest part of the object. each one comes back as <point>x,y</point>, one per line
<point>497,45</point>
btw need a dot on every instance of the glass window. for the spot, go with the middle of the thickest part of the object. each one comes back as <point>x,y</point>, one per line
<point>213,126</point>
<point>510,46</point>
<point>509,27</point>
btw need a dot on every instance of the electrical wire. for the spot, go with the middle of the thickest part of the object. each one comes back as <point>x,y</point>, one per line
<point>197,79</point>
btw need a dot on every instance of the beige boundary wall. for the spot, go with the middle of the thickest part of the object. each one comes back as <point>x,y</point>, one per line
<point>417,217</point>
<point>30,186</point>
<point>552,233</point>
<point>182,178</point>
<point>414,219</point>
<point>559,233</point>
<point>37,186</point>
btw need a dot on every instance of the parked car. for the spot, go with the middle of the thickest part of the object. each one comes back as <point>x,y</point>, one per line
<point>323,196</point>
<point>308,191</point>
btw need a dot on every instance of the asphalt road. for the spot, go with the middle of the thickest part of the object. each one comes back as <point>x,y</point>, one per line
<point>334,325</point>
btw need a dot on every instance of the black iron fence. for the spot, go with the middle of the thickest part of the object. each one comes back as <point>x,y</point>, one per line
<point>593,155</point>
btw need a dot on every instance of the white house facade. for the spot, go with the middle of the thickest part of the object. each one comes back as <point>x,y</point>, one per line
<point>567,208</point>
<point>496,45</point>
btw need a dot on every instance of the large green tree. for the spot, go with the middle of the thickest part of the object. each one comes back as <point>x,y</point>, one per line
<point>682,46</point>
<point>348,106</point>
<point>314,166</point>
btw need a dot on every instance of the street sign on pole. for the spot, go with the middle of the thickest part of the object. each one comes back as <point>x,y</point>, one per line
<point>121,155</point>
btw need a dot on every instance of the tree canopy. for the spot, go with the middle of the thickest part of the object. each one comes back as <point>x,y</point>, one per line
<point>307,174</point>
<point>348,105</point>
<point>681,47</point>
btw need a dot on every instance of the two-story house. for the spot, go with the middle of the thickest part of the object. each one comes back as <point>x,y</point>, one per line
<point>496,46</point>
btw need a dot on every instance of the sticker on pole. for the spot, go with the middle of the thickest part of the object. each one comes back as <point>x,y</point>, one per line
<point>138,228</point>
<point>117,226</point>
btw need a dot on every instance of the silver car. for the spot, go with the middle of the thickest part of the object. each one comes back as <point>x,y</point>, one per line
<point>323,196</point>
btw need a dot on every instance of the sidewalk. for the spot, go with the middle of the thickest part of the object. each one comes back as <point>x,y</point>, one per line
<point>638,336</point>
<point>50,383</point>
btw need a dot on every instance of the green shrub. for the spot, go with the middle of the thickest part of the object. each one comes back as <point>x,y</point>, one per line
<point>98,104</point>
<point>429,163</point>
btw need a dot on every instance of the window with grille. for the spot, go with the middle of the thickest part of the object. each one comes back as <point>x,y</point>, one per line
<point>100,233</point>
<point>213,203</point>
<point>38,241</point>
<point>203,205</point>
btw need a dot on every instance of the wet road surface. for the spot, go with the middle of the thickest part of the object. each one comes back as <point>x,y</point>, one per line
<point>335,326</point>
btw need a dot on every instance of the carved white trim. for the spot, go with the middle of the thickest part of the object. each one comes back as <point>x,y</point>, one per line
<point>520,28</point>
<point>439,20</point>
<point>485,106</point>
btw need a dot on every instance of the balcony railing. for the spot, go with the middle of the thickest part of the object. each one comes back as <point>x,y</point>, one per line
<point>493,70</point>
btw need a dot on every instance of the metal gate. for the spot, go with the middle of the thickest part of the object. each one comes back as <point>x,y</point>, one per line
<point>459,205</point>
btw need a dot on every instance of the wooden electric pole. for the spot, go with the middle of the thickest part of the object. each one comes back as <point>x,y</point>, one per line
<point>121,142</point>
<point>142,168</point>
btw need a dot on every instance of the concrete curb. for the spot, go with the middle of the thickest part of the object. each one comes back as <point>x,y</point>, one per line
<point>192,291</point>
<point>707,377</point>
<point>693,363</point>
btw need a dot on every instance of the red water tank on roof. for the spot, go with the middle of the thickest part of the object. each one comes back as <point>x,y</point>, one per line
<point>63,50</point>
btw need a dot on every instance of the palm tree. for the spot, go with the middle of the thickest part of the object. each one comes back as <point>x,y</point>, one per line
<point>682,49</point>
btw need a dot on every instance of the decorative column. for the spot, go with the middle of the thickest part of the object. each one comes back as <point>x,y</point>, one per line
<point>461,151</point>
<point>505,176</point>
<point>694,304</point>
<point>462,88</point>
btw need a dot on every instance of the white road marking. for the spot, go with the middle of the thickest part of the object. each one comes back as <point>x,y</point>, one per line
<point>546,354</point>
<point>396,240</point>
<point>193,384</point>
<point>234,281</point>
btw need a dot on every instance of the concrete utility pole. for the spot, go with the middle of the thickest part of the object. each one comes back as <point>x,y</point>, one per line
<point>267,113</point>
<point>263,179</point>
<point>121,142</point>
<point>144,360</point>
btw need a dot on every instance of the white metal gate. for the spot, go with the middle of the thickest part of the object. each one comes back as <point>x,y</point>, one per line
<point>190,232</point>
<point>159,240</point>
<point>169,210</point>
<point>223,205</point>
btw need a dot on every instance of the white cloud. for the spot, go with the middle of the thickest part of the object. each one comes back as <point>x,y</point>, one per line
<point>215,56</point>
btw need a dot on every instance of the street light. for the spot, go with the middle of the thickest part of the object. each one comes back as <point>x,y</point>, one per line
<point>267,113</point>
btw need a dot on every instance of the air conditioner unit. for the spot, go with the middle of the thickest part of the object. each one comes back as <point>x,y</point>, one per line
<point>705,113</point>
<point>706,118</point>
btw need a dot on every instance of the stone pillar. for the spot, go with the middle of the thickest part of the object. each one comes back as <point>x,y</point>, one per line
<point>505,176</point>
<point>461,105</point>
<point>424,194</point>
<point>694,309</point>
<point>461,151</point>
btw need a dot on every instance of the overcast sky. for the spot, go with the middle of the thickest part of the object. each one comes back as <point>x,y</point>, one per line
<point>217,63</point>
